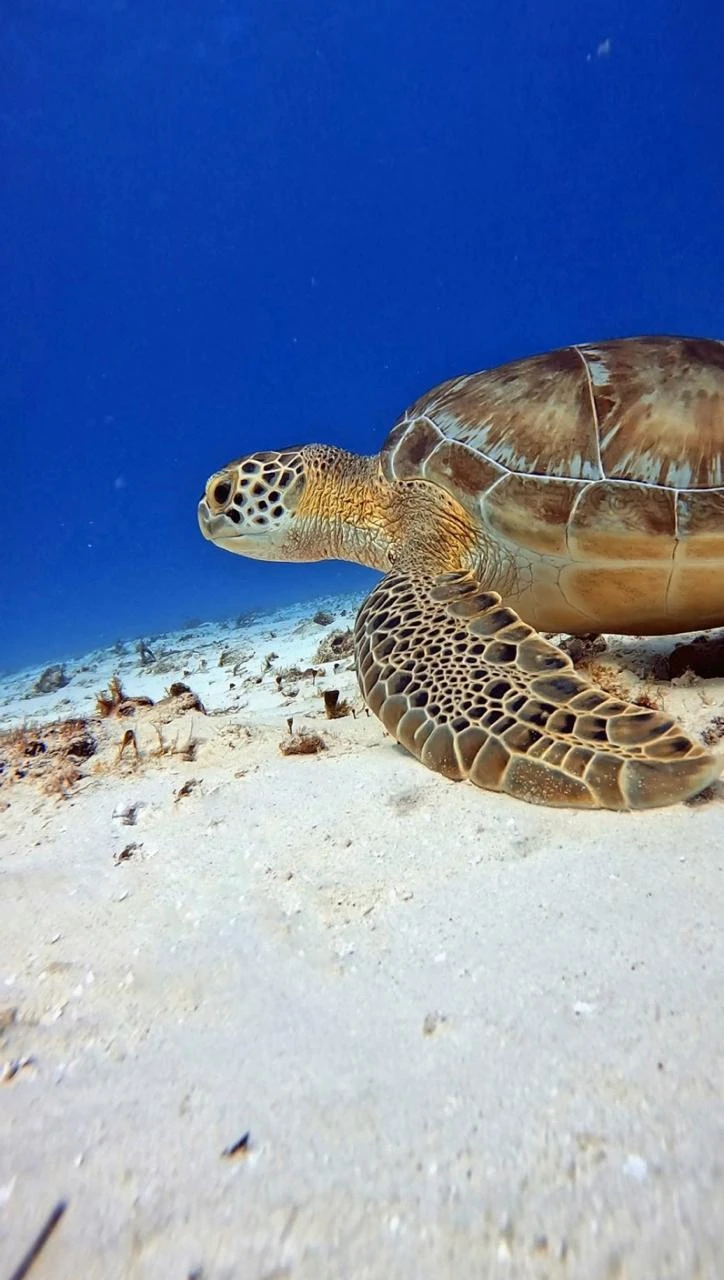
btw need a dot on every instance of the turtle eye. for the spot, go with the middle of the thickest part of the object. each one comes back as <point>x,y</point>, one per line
<point>392,556</point>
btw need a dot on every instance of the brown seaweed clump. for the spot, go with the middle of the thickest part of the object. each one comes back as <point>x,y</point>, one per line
<point>333,708</point>
<point>114,701</point>
<point>339,644</point>
<point>304,743</point>
<point>51,755</point>
<point>182,698</point>
<point>713,732</point>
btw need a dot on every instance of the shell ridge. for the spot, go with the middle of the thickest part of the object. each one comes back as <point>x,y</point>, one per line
<point>594,410</point>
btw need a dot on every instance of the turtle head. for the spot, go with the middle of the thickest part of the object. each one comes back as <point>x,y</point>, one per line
<point>309,503</point>
<point>250,506</point>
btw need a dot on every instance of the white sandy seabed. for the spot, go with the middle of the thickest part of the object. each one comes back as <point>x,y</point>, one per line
<point>330,1015</point>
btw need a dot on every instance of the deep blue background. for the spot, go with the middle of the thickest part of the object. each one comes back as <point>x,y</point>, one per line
<point>227,225</point>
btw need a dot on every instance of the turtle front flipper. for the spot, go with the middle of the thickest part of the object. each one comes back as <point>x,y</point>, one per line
<point>474,692</point>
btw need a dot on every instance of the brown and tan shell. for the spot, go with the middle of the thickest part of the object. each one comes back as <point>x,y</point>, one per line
<point>595,475</point>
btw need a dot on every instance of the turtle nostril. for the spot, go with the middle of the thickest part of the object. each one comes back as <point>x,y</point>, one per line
<point>221,492</point>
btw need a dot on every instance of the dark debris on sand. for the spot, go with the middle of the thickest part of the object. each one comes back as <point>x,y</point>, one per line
<point>702,657</point>
<point>49,681</point>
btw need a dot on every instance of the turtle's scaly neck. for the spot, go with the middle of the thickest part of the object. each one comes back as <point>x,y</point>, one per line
<point>356,514</point>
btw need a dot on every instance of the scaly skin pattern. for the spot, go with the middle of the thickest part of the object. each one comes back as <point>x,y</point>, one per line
<point>473,692</point>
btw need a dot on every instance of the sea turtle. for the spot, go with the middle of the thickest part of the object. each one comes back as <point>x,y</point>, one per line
<point>577,491</point>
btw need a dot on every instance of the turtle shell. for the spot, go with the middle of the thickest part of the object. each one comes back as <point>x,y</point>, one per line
<point>596,477</point>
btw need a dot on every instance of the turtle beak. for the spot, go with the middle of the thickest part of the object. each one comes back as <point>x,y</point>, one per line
<point>221,529</point>
<point>212,526</point>
<point>204,518</point>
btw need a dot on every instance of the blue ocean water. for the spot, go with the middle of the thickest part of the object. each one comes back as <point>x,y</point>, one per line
<point>231,225</point>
